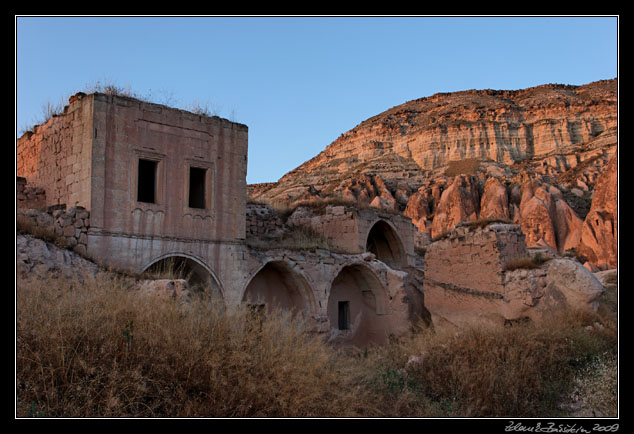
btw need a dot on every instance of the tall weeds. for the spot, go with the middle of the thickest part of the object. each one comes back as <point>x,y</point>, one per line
<point>526,370</point>
<point>99,349</point>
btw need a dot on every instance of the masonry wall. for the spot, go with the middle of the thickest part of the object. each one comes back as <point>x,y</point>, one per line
<point>264,221</point>
<point>56,156</point>
<point>128,130</point>
<point>131,232</point>
<point>465,274</point>
<point>68,227</point>
<point>475,258</point>
<point>347,229</point>
<point>27,196</point>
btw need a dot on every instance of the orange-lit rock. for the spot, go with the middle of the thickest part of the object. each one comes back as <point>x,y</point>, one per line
<point>599,234</point>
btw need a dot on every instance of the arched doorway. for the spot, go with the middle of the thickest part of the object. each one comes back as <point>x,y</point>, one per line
<point>277,286</point>
<point>385,244</point>
<point>356,307</point>
<point>201,281</point>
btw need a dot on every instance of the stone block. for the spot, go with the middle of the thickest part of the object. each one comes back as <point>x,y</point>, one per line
<point>68,231</point>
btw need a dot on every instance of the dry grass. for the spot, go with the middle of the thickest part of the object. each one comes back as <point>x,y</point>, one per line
<point>99,349</point>
<point>294,238</point>
<point>527,263</point>
<point>468,166</point>
<point>596,386</point>
<point>484,222</point>
<point>526,370</point>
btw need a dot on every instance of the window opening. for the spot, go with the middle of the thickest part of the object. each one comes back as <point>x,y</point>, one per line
<point>344,315</point>
<point>146,185</point>
<point>197,187</point>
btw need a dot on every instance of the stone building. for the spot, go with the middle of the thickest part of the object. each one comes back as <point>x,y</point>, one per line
<point>150,187</point>
<point>158,182</point>
<point>166,187</point>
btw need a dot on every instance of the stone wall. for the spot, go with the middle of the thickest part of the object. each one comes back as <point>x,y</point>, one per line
<point>337,223</point>
<point>264,221</point>
<point>27,196</point>
<point>56,155</point>
<point>475,258</point>
<point>68,227</point>
<point>348,229</point>
<point>468,278</point>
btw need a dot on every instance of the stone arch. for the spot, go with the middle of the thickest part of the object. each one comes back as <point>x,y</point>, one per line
<point>201,279</point>
<point>279,285</point>
<point>385,244</point>
<point>357,305</point>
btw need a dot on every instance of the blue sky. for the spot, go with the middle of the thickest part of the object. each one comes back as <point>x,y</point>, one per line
<point>300,82</point>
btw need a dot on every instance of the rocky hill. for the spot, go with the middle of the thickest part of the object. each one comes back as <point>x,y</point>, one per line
<point>475,154</point>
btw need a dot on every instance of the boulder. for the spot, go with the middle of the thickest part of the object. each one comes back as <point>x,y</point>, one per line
<point>39,258</point>
<point>580,288</point>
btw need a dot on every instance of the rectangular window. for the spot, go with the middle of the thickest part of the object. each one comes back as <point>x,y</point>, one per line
<point>197,187</point>
<point>146,183</point>
<point>344,315</point>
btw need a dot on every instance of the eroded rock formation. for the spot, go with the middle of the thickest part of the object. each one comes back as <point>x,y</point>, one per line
<point>599,231</point>
<point>531,156</point>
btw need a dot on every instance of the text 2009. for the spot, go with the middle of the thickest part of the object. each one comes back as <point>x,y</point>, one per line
<point>606,428</point>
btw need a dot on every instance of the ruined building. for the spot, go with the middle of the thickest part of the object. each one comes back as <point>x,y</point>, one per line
<point>151,186</point>
<point>163,185</point>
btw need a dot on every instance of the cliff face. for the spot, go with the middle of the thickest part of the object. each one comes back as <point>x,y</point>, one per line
<point>428,133</point>
<point>559,136</point>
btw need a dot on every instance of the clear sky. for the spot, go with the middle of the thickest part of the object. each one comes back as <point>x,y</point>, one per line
<point>300,82</point>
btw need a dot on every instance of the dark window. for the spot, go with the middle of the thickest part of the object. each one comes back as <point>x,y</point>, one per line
<point>344,315</point>
<point>146,186</point>
<point>197,187</point>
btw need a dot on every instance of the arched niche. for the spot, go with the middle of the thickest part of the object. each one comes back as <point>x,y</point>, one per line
<point>357,307</point>
<point>201,281</point>
<point>385,244</point>
<point>278,286</point>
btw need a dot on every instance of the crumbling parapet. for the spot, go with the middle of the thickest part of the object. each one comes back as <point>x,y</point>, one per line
<point>28,197</point>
